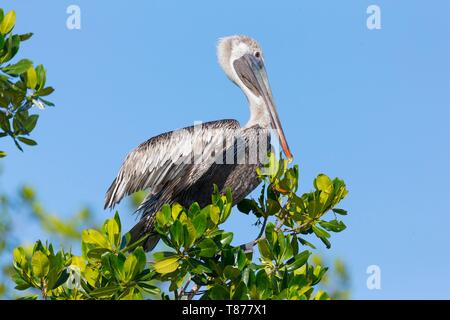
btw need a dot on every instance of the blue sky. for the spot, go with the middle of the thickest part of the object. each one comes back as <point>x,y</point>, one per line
<point>369,106</point>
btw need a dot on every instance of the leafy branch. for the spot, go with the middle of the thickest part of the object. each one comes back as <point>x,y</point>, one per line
<point>22,86</point>
<point>199,259</point>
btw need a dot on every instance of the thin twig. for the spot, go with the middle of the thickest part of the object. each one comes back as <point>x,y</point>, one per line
<point>261,232</point>
<point>183,290</point>
<point>248,247</point>
<point>135,244</point>
<point>194,291</point>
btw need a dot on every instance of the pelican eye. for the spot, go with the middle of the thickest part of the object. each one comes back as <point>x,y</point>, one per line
<point>257,54</point>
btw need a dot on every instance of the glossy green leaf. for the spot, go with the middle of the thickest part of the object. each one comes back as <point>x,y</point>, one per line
<point>176,233</point>
<point>214,214</point>
<point>219,292</point>
<point>92,236</point>
<point>189,233</point>
<point>323,235</point>
<point>31,122</point>
<point>167,264</point>
<point>333,225</point>
<point>27,141</point>
<point>112,229</point>
<point>208,248</point>
<point>241,292</point>
<point>200,223</point>
<point>264,249</point>
<point>40,264</point>
<point>340,211</point>
<point>45,92</point>
<point>176,210</point>
<point>323,183</point>
<point>231,272</point>
<point>25,36</point>
<point>18,67</point>
<point>20,257</point>
<point>40,77</point>
<point>8,22</point>
<point>299,260</point>
<point>32,79</point>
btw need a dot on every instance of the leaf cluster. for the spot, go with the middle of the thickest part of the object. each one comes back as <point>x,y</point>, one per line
<point>22,86</point>
<point>199,259</point>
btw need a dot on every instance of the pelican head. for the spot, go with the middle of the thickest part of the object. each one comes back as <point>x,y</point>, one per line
<point>241,59</point>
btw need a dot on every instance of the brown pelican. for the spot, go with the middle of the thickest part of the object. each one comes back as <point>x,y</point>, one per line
<point>168,165</point>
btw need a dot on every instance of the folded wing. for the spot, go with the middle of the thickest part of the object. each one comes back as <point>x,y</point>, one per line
<point>183,155</point>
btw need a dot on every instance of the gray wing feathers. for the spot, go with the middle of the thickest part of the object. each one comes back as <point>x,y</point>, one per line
<point>168,157</point>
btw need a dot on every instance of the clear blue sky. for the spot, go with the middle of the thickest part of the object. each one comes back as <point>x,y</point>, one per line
<point>369,106</point>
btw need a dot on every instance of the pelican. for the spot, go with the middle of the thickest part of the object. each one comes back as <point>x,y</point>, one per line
<point>167,165</point>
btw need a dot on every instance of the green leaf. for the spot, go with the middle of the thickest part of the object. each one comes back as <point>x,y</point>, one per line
<point>270,233</point>
<point>320,232</point>
<point>214,213</point>
<point>141,259</point>
<point>299,260</point>
<point>241,259</point>
<point>9,20</point>
<point>3,154</point>
<point>114,264</point>
<point>92,236</point>
<point>226,211</point>
<point>19,257</point>
<point>40,264</point>
<point>323,235</point>
<point>200,223</point>
<point>25,36</point>
<point>96,253</point>
<point>333,225</point>
<point>189,234</point>
<point>27,141</point>
<point>78,262</point>
<point>167,264</point>
<point>32,79</point>
<point>45,92</point>
<point>273,206</point>
<point>129,267</point>
<point>241,292</point>
<point>176,233</point>
<point>219,292</point>
<point>208,248</point>
<point>41,77</point>
<point>91,275</point>
<point>263,284</point>
<point>61,280</point>
<point>18,68</point>
<point>21,284</point>
<point>30,297</point>
<point>46,102</point>
<point>12,47</point>
<point>164,216</point>
<point>264,249</point>
<point>112,229</point>
<point>225,238</point>
<point>30,123</point>
<point>176,209</point>
<point>105,292</point>
<point>323,183</point>
<point>231,272</point>
<point>247,205</point>
<point>342,212</point>
<point>306,243</point>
